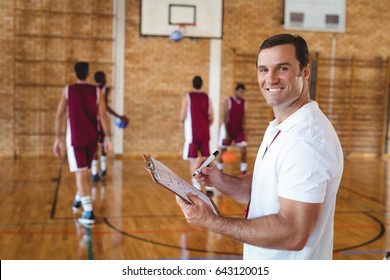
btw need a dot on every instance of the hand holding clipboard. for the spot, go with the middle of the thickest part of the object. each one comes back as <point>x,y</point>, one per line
<point>165,177</point>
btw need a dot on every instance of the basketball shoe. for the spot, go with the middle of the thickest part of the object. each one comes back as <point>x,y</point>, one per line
<point>209,193</point>
<point>87,218</point>
<point>95,178</point>
<point>76,206</point>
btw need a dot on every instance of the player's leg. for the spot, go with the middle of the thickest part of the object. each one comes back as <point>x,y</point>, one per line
<point>243,164</point>
<point>241,143</point>
<point>103,162</point>
<point>73,168</point>
<point>76,203</point>
<point>95,163</point>
<point>94,169</point>
<point>220,161</point>
<point>83,186</point>
<point>223,144</point>
<point>82,163</point>
<point>205,151</point>
<point>194,182</point>
<point>190,153</point>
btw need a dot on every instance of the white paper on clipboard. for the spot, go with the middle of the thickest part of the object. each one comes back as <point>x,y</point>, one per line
<point>162,175</point>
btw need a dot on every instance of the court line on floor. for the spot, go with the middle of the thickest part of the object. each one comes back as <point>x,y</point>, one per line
<point>379,235</point>
<point>52,233</point>
<point>57,188</point>
<point>355,192</point>
<point>106,221</point>
<point>364,252</point>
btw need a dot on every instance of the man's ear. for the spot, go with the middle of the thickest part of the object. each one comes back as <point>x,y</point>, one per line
<point>306,71</point>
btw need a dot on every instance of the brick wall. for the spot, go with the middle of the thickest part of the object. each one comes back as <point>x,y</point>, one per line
<point>48,37</point>
<point>42,39</point>
<point>6,77</point>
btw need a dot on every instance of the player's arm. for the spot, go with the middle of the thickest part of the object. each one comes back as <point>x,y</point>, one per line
<point>106,100</point>
<point>123,118</point>
<point>226,117</point>
<point>183,109</point>
<point>210,113</point>
<point>105,122</point>
<point>60,115</point>
<point>244,117</point>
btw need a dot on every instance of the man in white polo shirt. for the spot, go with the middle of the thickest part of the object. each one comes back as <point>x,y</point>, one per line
<point>291,195</point>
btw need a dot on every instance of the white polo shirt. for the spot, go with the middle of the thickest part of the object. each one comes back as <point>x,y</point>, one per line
<point>303,163</point>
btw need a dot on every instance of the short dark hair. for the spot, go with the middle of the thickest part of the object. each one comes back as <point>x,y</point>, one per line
<point>301,49</point>
<point>81,69</point>
<point>197,82</point>
<point>100,77</point>
<point>240,86</point>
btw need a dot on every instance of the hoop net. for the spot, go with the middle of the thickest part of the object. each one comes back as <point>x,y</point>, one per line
<point>183,26</point>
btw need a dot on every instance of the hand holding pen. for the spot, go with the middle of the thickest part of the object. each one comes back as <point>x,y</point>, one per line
<point>206,163</point>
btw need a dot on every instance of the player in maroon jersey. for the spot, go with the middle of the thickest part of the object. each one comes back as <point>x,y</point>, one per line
<point>233,126</point>
<point>82,103</point>
<point>100,80</point>
<point>196,116</point>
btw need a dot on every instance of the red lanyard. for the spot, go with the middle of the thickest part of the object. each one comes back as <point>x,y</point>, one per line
<point>266,149</point>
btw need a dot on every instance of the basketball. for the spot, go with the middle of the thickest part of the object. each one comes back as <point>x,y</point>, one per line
<point>119,123</point>
<point>228,157</point>
<point>176,36</point>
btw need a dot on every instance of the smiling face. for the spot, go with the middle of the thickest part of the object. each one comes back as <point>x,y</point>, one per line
<point>283,84</point>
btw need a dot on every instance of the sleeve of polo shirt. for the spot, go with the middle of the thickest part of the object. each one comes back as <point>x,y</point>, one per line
<point>305,169</point>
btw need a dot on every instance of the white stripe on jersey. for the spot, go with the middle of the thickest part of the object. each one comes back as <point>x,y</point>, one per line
<point>188,122</point>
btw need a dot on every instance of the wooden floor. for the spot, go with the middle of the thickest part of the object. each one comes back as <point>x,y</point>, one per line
<point>137,219</point>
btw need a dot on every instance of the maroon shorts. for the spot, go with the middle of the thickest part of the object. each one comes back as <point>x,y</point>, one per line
<point>80,158</point>
<point>238,138</point>
<point>191,150</point>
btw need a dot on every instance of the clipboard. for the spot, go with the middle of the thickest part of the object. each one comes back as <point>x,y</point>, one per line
<point>165,177</point>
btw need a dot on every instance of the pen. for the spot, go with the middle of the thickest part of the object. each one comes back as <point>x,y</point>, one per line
<point>206,163</point>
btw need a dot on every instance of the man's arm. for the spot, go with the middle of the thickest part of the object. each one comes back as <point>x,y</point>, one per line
<point>287,230</point>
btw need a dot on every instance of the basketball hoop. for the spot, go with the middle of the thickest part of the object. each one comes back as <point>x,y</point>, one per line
<point>178,34</point>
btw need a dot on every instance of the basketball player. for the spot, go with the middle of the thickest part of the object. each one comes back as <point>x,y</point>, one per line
<point>83,104</point>
<point>232,128</point>
<point>196,116</point>
<point>100,80</point>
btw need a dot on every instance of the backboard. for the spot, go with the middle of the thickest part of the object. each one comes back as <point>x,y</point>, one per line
<point>315,15</point>
<point>200,18</point>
